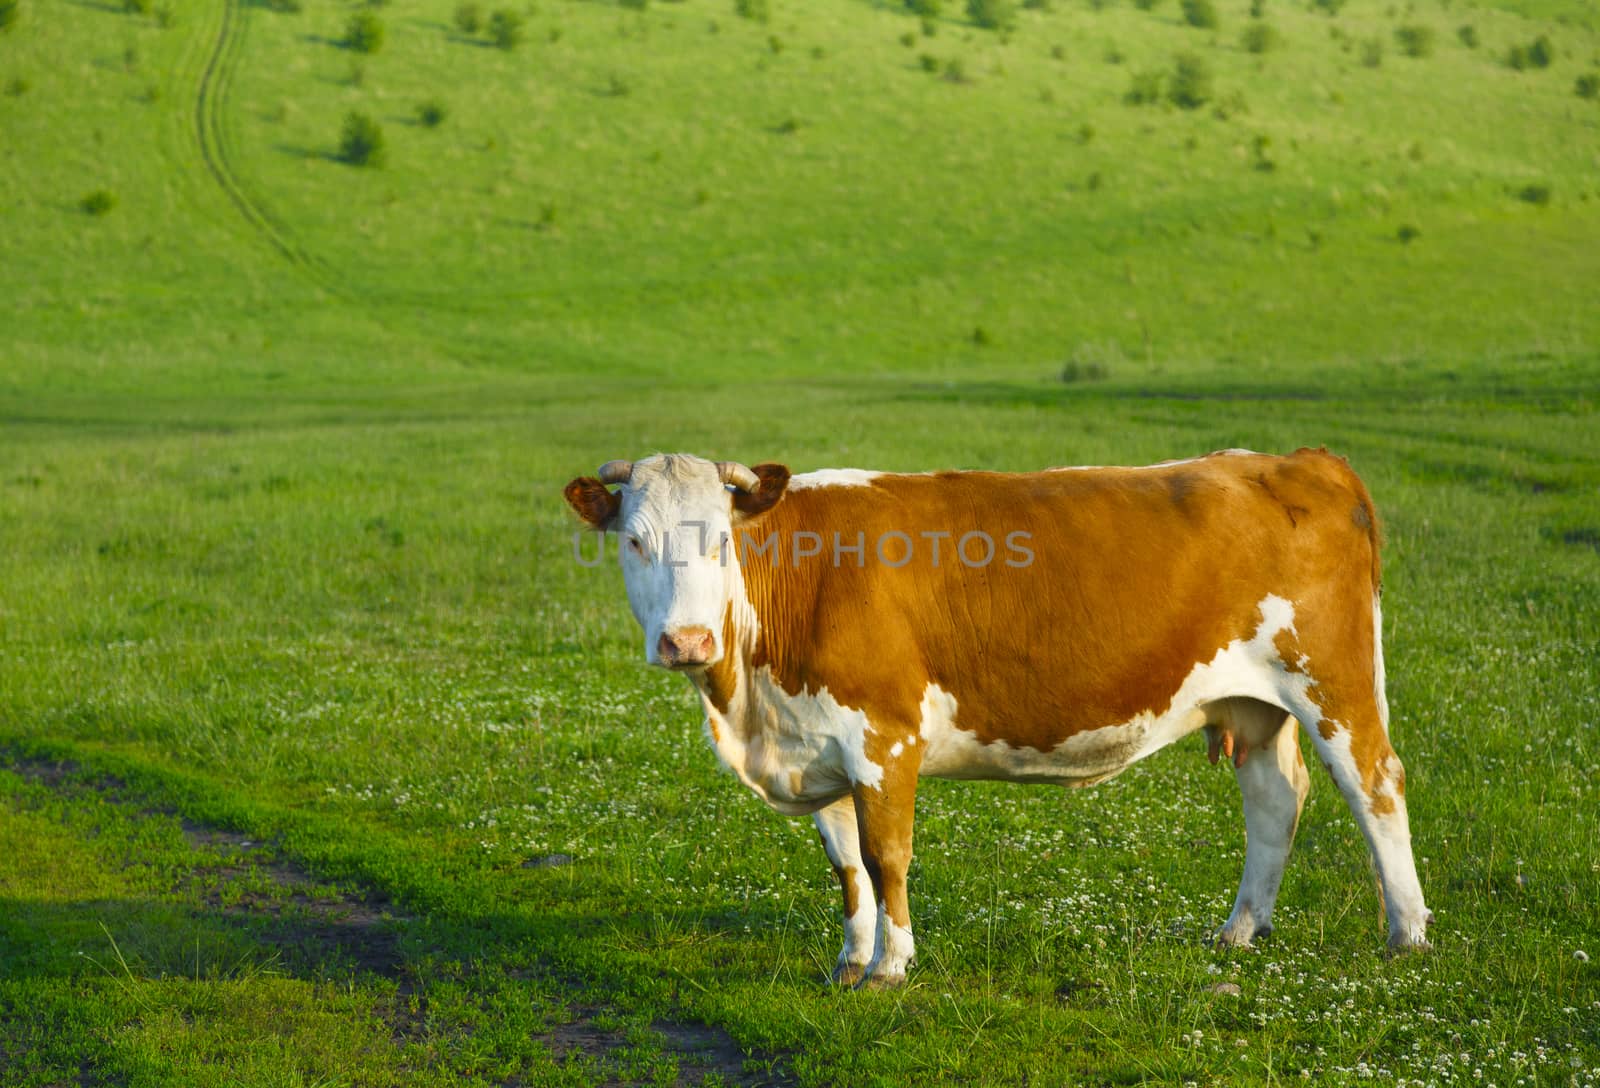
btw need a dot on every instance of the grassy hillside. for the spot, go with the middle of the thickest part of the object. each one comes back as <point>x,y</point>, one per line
<point>681,192</point>
<point>326,764</point>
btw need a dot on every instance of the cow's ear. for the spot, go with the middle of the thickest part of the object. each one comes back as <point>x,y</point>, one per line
<point>595,503</point>
<point>750,504</point>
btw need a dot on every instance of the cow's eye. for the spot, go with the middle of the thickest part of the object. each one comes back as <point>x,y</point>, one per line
<point>636,546</point>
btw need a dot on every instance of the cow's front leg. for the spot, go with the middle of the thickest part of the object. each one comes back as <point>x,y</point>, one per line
<point>837,826</point>
<point>884,814</point>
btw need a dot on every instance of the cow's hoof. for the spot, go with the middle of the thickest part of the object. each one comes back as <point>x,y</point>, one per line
<point>849,974</point>
<point>881,982</point>
<point>1415,948</point>
<point>1231,936</point>
<point>1411,937</point>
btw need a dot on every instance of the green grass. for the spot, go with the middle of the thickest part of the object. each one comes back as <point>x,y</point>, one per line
<point>285,563</point>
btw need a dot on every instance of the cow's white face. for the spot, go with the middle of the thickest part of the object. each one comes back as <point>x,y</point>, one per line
<point>674,519</point>
<point>675,534</point>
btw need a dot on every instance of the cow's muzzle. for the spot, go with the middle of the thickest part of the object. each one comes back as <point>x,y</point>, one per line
<point>686,647</point>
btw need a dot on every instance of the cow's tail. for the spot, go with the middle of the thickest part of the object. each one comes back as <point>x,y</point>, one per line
<point>1368,519</point>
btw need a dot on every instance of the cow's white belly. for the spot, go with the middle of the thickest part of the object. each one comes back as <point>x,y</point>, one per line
<point>801,752</point>
<point>1083,759</point>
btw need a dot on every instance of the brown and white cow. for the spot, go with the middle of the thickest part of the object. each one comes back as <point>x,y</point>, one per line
<point>851,631</point>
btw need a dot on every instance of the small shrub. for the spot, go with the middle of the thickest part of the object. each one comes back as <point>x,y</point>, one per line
<point>636,5</point>
<point>138,7</point>
<point>1468,35</point>
<point>469,18</point>
<point>505,29</point>
<point>928,9</point>
<point>754,10</point>
<point>1260,38</point>
<point>955,71</point>
<point>1144,89</point>
<point>1090,362</point>
<point>364,33</point>
<point>285,7</point>
<point>908,39</point>
<point>1058,52</point>
<point>1258,9</point>
<point>1200,13</point>
<point>980,337</point>
<point>929,62</point>
<point>9,10</point>
<point>1587,85</point>
<point>1414,39</point>
<point>775,44</point>
<point>1536,54</point>
<point>1085,133</point>
<point>1146,5</point>
<point>1328,7</point>
<point>617,87</point>
<point>361,140</point>
<point>1407,234</point>
<point>1261,149</point>
<point>1534,194</point>
<point>98,202</point>
<point>930,27</point>
<point>1036,5</point>
<point>432,113</point>
<point>1190,86</point>
<point>1092,371</point>
<point>1372,53</point>
<point>993,14</point>
<point>16,87</point>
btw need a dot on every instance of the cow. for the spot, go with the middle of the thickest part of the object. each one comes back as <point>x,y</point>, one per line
<point>850,631</point>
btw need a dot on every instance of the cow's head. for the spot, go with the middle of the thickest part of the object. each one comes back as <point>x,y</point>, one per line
<point>674,516</point>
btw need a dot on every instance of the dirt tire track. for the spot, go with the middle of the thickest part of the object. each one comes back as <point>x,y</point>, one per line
<point>210,102</point>
<point>362,927</point>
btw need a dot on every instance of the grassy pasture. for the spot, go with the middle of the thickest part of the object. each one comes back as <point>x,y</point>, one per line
<point>327,764</point>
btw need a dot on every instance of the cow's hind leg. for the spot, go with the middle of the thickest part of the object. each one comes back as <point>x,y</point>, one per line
<point>837,826</point>
<point>1273,782</point>
<point>1356,752</point>
<point>1346,713</point>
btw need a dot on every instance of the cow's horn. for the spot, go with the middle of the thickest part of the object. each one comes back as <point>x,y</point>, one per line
<point>732,472</point>
<point>616,472</point>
